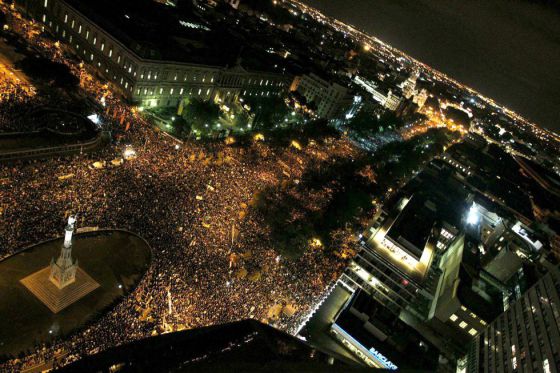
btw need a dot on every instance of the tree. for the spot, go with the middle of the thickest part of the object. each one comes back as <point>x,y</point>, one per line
<point>49,71</point>
<point>269,111</point>
<point>201,115</point>
<point>366,123</point>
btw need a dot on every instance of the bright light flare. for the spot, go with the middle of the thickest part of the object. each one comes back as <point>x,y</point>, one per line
<point>473,216</point>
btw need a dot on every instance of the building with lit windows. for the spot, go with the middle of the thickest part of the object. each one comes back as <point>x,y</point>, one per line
<point>466,298</point>
<point>421,98</point>
<point>394,263</point>
<point>525,338</point>
<point>409,85</point>
<point>330,99</point>
<point>154,62</point>
<point>380,93</point>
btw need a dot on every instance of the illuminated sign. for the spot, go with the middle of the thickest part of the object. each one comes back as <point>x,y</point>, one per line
<point>382,359</point>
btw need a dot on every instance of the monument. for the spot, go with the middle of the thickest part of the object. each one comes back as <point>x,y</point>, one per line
<point>63,271</point>
<point>62,283</point>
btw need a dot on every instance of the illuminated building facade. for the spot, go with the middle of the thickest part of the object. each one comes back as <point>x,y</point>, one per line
<point>384,95</point>
<point>525,338</point>
<point>409,85</point>
<point>330,98</point>
<point>140,72</point>
<point>421,98</point>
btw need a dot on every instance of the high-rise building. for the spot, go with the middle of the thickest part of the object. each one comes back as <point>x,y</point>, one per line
<point>409,85</point>
<point>394,264</point>
<point>525,338</point>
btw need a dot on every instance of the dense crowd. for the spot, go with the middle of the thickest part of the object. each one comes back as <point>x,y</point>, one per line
<point>16,99</point>
<point>192,203</point>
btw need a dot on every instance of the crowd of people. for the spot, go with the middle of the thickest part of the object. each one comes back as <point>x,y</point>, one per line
<point>16,98</point>
<point>212,259</point>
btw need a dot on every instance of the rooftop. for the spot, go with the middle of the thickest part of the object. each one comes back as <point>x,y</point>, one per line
<point>240,346</point>
<point>158,32</point>
<point>414,226</point>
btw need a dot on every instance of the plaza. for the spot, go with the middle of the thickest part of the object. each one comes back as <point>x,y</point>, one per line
<point>113,260</point>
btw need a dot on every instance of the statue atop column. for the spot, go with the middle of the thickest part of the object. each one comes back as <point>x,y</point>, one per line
<point>63,270</point>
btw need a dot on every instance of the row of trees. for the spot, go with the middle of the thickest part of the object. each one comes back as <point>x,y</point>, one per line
<point>292,213</point>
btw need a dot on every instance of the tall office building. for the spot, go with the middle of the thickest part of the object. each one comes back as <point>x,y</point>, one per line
<point>525,338</point>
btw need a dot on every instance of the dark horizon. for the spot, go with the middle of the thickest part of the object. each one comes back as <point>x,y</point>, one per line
<point>472,42</point>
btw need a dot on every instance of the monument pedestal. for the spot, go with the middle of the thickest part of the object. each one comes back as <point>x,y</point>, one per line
<point>54,298</point>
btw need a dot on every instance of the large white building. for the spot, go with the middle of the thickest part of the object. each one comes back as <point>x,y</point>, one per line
<point>330,98</point>
<point>136,68</point>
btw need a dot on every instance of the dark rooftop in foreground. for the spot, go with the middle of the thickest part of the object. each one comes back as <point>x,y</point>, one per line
<point>243,346</point>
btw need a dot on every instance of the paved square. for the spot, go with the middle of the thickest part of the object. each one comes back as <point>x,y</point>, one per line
<point>54,298</point>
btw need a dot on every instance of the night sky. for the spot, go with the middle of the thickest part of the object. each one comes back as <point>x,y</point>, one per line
<point>507,50</point>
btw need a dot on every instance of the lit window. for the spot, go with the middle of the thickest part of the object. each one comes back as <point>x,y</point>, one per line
<point>66,18</point>
<point>110,53</point>
<point>161,91</point>
<point>79,29</point>
<point>453,318</point>
<point>46,3</point>
<point>171,91</point>
<point>102,47</point>
<point>87,34</point>
<point>472,331</point>
<point>463,325</point>
<point>94,40</point>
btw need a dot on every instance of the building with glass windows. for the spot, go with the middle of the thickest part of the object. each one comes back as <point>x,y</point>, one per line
<point>525,338</point>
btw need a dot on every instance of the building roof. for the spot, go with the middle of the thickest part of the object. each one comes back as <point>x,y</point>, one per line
<point>404,347</point>
<point>157,32</point>
<point>414,226</point>
<point>240,346</point>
